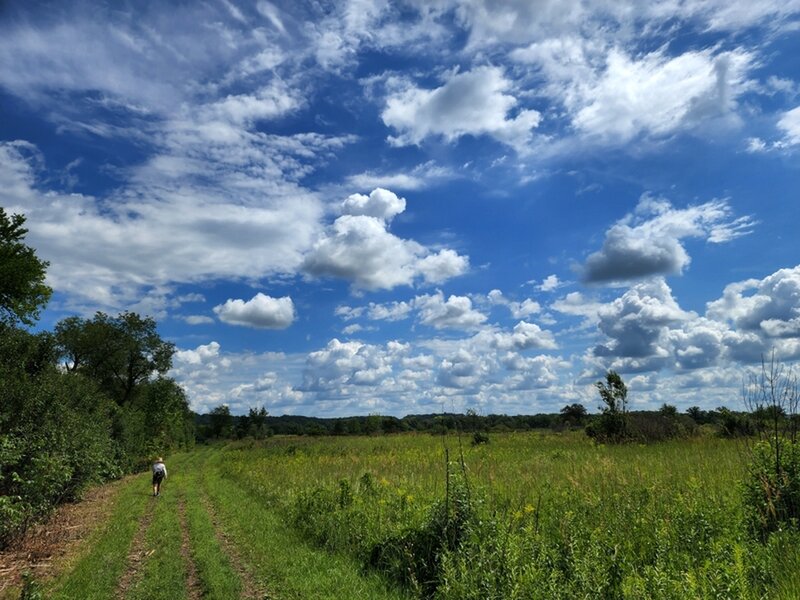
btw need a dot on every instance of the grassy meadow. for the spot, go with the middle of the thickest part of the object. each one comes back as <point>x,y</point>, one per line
<point>528,515</point>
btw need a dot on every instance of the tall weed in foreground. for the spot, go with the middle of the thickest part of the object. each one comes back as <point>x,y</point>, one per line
<point>772,488</point>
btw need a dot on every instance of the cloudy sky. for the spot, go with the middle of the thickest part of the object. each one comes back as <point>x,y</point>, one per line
<point>351,207</point>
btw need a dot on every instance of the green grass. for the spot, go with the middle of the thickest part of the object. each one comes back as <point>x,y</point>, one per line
<point>529,515</point>
<point>283,563</point>
<point>95,576</point>
<point>163,575</point>
<point>550,515</point>
<point>217,576</point>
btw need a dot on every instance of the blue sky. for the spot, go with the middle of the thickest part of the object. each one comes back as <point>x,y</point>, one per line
<point>339,208</point>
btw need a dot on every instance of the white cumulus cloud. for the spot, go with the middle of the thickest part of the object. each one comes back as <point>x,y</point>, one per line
<point>358,247</point>
<point>789,124</point>
<point>478,102</point>
<point>260,312</point>
<point>454,313</point>
<point>381,204</point>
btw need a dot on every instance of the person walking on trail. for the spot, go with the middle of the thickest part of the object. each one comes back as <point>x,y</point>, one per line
<point>159,475</point>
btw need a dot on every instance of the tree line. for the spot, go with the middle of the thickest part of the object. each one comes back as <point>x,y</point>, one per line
<point>86,402</point>
<point>665,423</point>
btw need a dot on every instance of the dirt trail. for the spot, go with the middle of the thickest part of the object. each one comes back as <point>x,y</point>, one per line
<point>45,549</point>
<point>194,590</point>
<point>137,554</point>
<point>250,589</point>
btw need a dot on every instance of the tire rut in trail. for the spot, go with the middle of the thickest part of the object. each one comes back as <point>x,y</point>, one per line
<point>250,589</point>
<point>194,590</point>
<point>45,548</point>
<point>137,554</point>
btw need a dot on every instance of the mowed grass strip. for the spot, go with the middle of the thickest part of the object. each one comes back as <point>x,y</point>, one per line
<point>95,576</point>
<point>280,561</point>
<point>218,578</point>
<point>163,574</point>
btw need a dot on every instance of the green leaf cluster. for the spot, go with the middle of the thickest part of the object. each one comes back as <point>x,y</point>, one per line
<point>23,292</point>
<point>77,406</point>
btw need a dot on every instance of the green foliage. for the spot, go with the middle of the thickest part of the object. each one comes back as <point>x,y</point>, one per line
<point>23,292</point>
<point>479,438</point>
<point>99,414</point>
<point>414,555</point>
<point>545,516</point>
<point>254,424</point>
<point>573,415</point>
<point>613,393</point>
<point>734,424</point>
<point>119,353</point>
<point>649,427</point>
<point>612,424</point>
<point>31,590</point>
<point>772,489</point>
<point>55,434</point>
<point>668,410</point>
<point>221,425</point>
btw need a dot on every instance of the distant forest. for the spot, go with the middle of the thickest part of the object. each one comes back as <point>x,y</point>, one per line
<point>650,425</point>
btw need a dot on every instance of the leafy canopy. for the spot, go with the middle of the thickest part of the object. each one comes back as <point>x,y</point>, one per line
<point>23,292</point>
<point>119,353</point>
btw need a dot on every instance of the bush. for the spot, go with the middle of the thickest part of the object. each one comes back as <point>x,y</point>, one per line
<point>479,438</point>
<point>414,557</point>
<point>734,425</point>
<point>56,441</point>
<point>647,427</point>
<point>772,488</point>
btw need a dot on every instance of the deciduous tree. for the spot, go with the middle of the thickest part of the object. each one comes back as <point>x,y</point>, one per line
<point>23,292</point>
<point>117,352</point>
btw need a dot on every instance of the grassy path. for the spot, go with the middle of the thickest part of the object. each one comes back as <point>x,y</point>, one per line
<point>216,565</point>
<point>193,587</point>
<point>204,537</point>
<point>163,573</point>
<point>55,546</point>
<point>271,551</point>
<point>96,575</point>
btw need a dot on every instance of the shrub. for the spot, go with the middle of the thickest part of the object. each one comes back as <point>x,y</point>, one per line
<point>414,556</point>
<point>772,488</point>
<point>647,427</point>
<point>56,441</point>
<point>479,438</point>
<point>734,425</point>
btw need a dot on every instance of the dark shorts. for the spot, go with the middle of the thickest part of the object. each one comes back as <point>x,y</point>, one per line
<point>158,477</point>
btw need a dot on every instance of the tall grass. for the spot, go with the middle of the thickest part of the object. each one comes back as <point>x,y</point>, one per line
<point>543,515</point>
<point>279,562</point>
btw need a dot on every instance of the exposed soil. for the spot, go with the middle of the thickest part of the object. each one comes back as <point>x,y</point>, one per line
<point>44,549</point>
<point>137,554</point>
<point>250,589</point>
<point>194,590</point>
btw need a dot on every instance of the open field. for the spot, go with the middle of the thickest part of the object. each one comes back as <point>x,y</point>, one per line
<point>529,515</point>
